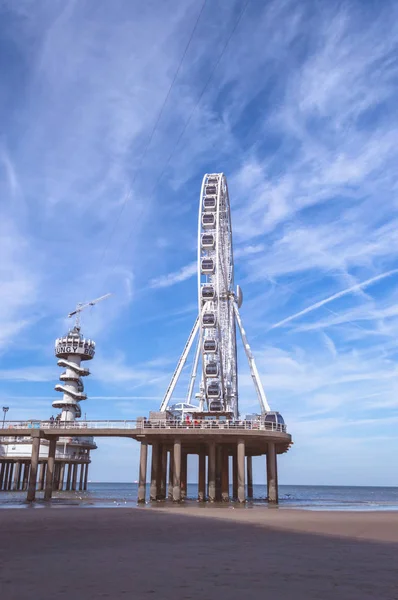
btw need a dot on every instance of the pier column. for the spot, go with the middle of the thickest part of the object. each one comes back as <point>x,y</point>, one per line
<point>74,476</point>
<point>81,477</point>
<point>17,475</point>
<point>212,471</point>
<point>171,478</point>
<point>2,469</point>
<point>34,463</point>
<point>61,477</point>
<point>25,476</point>
<point>225,476</point>
<point>177,471</point>
<point>9,485</point>
<point>86,477</point>
<point>218,472</point>
<point>163,473</point>
<point>184,475</point>
<point>234,476</point>
<point>68,477</point>
<point>48,492</point>
<point>41,477</point>
<point>202,476</point>
<point>6,474</point>
<point>241,471</point>
<point>56,476</point>
<point>272,474</point>
<point>153,490</point>
<point>142,472</point>
<point>249,466</point>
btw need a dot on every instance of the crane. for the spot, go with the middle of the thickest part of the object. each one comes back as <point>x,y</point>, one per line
<point>81,306</point>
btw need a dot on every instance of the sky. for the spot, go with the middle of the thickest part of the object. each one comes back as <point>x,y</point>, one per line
<point>110,114</point>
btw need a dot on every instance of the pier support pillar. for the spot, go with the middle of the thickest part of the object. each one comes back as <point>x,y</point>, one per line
<point>34,463</point>
<point>142,473</point>
<point>68,477</point>
<point>81,477</point>
<point>25,476</point>
<point>163,473</point>
<point>218,472</point>
<point>86,477</point>
<point>50,469</point>
<point>9,486</point>
<point>241,471</point>
<point>74,477</point>
<point>6,473</point>
<point>17,475</point>
<point>56,476</point>
<point>184,475</point>
<point>41,477</point>
<point>212,471</point>
<point>272,474</point>
<point>61,477</point>
<point>225,475</point>
<point>153,490</point>
<point>171,483</point>
<point>249,467</point>
<point>2,469</point>
<point>202,476</point>
<point>177,471</point>
<point>234,476</point>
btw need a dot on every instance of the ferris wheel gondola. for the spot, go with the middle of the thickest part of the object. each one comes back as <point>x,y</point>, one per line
<point>218,311</point>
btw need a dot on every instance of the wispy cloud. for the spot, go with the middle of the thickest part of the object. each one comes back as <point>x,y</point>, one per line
<point>176,277</point>
<point>340,294</point>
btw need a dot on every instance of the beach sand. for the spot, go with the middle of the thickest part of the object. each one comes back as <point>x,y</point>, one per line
<point>192,552</point>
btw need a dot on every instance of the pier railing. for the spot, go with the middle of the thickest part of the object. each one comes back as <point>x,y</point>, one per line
<point>147,424</point>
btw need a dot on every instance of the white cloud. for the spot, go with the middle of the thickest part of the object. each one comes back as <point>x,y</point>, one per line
<point>340,294</point>
<point>176,277</point>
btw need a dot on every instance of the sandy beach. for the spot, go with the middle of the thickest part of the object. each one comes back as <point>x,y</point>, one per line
<point>193,552</point>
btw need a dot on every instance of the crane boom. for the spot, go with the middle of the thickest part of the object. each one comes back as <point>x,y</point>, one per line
<point>82,305</point>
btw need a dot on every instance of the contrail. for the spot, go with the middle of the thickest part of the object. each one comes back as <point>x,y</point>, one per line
<point>354,288</point>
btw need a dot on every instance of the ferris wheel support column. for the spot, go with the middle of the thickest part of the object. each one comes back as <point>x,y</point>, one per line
<point>253,369</point>
<point>194,372</point>
<point>180,366</point>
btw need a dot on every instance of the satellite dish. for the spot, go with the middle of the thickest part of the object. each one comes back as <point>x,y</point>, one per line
<point>239,296</point>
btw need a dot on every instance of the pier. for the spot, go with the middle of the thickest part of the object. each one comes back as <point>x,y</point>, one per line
<point>222,447</point>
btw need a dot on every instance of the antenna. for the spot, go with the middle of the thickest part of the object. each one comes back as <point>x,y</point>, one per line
<point>81,306</point>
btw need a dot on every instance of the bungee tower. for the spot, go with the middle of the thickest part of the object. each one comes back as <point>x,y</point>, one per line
<point>71,350</point>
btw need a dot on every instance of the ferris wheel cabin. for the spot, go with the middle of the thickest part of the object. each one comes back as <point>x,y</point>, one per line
<point>208,220</point>
<point>209,346</point>
<point>209,319</point>
<point>213,389</point>
<point>208,241</point>
<point>208,292</point>
<point>207,266</point>
<point>211,369</point>
<point>210,203</point>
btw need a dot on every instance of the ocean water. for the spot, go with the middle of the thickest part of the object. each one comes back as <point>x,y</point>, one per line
<point>290,496</point>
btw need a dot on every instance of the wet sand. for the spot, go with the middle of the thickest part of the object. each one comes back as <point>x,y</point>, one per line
<point>192,552</point>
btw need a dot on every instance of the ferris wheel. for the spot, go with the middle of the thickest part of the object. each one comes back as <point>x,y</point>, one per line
<point>218,314</point>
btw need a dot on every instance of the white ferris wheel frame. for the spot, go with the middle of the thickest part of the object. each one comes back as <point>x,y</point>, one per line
<point>225,306</point>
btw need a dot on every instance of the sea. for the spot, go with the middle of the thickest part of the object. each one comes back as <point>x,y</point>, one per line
<point>305,497</point>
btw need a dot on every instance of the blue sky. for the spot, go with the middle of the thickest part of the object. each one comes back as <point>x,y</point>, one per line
<point>296,104</point>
